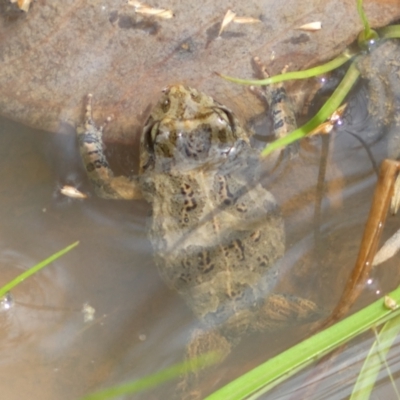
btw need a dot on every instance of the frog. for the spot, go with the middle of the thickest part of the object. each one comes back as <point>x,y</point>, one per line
<point>217,234</point>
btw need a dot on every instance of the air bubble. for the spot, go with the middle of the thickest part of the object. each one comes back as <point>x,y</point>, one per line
<point>6,302</point>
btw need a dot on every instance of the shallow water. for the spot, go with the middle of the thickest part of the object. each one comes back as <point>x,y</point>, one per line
<point>140,326</point>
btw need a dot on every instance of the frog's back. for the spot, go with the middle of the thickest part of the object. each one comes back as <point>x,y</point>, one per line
<point>216,232</point>
<point>217,236</point>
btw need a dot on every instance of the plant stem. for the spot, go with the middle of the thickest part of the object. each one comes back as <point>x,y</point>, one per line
<point>390,32</point>
<point>364,20</point>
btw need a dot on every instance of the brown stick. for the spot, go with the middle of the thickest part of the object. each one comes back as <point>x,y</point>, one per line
<point>372,234</point>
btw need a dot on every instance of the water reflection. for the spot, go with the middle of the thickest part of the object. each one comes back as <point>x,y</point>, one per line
<point>44,336</point>
<point>139,326</point>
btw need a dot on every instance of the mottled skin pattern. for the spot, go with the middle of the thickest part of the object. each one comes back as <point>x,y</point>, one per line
<point>217,234</point>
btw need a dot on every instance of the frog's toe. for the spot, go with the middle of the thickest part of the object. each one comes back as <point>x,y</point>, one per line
<point>282,310</point>
<point>202,343</point>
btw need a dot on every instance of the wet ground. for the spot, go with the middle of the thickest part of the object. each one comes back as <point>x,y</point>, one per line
<point>125,58</point>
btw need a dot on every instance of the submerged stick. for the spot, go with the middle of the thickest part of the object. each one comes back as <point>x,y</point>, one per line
<point>372,234</point>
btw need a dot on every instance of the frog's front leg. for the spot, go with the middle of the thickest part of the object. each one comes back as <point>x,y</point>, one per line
<point>281,109</point>
<point>97,168</point>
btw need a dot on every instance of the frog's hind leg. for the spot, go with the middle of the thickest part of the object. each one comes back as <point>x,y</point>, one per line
<point>202,343</point>
<point>280,310</point>
<point>98,170</point>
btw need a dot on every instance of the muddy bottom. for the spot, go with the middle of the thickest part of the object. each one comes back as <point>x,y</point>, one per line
<point>139,326</point>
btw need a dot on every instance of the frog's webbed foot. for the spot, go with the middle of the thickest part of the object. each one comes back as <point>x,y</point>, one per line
<point>98,170</point>
<point>201,343</point>
<point>280,310</point>
<point>281,109</point>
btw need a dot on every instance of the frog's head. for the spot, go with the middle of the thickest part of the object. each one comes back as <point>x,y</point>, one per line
<point>187,128</point>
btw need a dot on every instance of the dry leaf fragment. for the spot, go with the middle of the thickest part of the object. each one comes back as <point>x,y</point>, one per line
<point>144,9</point>
<point>88,312</point>
<point>229,16</point>
<point>327,126</point>
<point>395,202</point>
<point>72,192</point>
<point>23,4</point>
<point>311,27</point>
<point>135,3</point>
<point>390,248</point>
<point>246,20</point>
<point>156,12</point>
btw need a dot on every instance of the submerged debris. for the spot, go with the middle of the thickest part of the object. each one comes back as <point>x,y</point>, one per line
<point>395,203</point>
<point>22,4</point>
<point>230,16</point>
<point>390,303</point>
<point>88,312</point>
<point>327,126</point>
<point>146,10</point>
<point>246,20</point>
<point>388,250</point>
<point>72,192</point>
<point>6,302</point>
<point>311,27</point>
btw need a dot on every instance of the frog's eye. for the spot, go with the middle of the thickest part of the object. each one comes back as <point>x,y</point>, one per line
<point>228,115</point>
<point>165,104</point>
<point>149,134</point>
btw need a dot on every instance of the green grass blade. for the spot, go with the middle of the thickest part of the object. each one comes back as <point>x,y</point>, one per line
<point>363,17</point>
<point>390,32</point>
<point>26,274</point>
<point>308,73</point>
<point>325,112</point>
<point>367,36</point>
<point>286,364</point>
<point>376,356</point>
<point>154,380</point>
